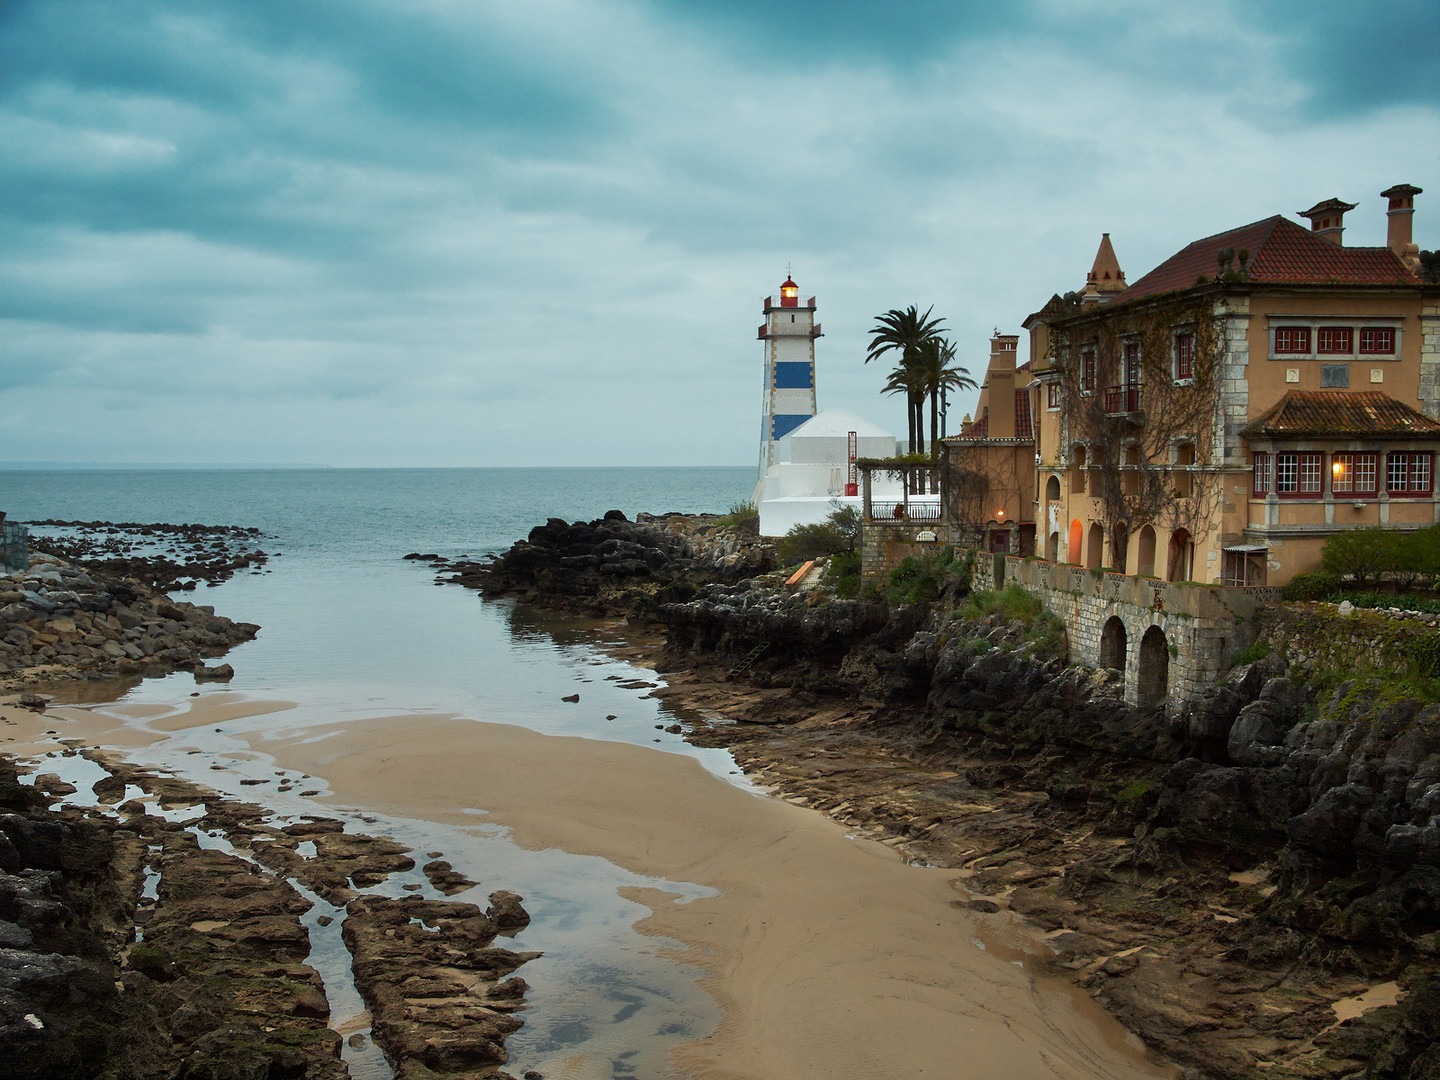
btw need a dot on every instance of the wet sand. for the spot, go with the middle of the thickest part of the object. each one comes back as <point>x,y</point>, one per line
<point>829,956</point>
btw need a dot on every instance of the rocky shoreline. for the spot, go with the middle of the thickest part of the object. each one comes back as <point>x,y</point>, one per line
<point>1252,883</point>
<point>137,944</point>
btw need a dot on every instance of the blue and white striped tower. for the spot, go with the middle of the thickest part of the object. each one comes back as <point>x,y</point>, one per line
<point>789,334</point>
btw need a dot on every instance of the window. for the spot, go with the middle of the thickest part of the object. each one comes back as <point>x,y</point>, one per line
<point>1184,356</point>
<point>1334,339</point>
<point>1292,339</point>
<point>1261,468</point>
<point>1131,354</point>
<point>1298,475</point>
<point>1407,474</point>
<point>1353,474</point>
<point>1087,368</point>
<point>1375,339</point>
<point>1052,396</point>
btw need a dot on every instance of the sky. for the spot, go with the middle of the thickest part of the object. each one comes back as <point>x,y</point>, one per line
<point>463,233</point>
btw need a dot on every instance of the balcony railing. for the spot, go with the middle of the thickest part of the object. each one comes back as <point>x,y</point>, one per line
<point>1121,399</point>
<point>901,511</point>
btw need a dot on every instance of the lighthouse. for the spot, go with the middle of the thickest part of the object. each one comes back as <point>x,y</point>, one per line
<point>788,334</point>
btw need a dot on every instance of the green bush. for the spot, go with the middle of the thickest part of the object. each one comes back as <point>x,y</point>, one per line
<point>1256,650</point>
<point>1319,585</point>
<point>844,574</point>
<point>744,518</point>
<point>921,579</point>
<point>836,533</point>
<point>1043,630</point>
<point>1365,557</point>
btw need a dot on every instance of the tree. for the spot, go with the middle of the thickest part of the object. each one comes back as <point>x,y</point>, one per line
<point>936,361</point>
<point>908,378</point>
<point>905,332</point>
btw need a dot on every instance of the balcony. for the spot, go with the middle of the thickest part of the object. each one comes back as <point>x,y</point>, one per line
<point>1119,400</point>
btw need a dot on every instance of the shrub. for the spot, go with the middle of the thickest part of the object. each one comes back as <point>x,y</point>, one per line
<point>844,574</point>
<point>1361,555</point>
<point>836,533</point>
<point>921,579</point>
<point>744,518</point>
<point>1319,585</point>
<point>1256,650</point>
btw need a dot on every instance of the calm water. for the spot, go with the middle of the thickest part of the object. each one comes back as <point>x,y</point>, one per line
<point>350,629</point>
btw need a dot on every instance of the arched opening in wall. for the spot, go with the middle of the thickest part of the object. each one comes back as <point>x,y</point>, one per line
<point>1052,490</point>
<point>1077,538</point>
<point>1052,547</point>
<point>1152,683</point>
<point>1077,469</point>
<point>1095,550</point>
<point>1180,478</point>
<point>1119,549</point>
<point>1130,471</point>
<point>1145,556</point>
<point>1112,644</point>
<point>1181,557</point>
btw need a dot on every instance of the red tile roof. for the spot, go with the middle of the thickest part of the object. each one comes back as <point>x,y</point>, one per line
<point>1281,252</point>
<point>1341,412</point>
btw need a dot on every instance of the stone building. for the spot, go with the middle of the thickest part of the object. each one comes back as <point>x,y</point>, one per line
<point>1198,434</point>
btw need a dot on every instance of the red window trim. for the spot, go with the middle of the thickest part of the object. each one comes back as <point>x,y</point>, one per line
<point>1301,345</point>
<point>1184,356</point>
<point>1347,336</point>
<point>1408,492</point>
<point>1356,493</point>
<point>1302,457</point>
<point>1389,336</point>
<point>1260,473</point>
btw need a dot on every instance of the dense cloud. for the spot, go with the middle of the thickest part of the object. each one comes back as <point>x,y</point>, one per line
<point>369,232</point>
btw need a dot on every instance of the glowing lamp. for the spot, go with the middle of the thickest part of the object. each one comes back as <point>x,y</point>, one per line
<point>1000,514</point>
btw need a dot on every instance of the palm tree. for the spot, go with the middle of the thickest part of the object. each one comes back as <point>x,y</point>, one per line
<point>936,361</point>
<point>905,331</point>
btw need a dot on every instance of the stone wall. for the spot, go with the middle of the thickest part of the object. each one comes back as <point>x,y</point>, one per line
<point>1171,640</point>
<point>884,544</point>
<point>1316,637</point>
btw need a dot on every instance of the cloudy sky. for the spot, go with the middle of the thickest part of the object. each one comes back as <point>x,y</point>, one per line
<point>456,232</point>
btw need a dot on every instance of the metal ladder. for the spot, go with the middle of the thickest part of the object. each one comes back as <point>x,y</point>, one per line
<point>748,660</point>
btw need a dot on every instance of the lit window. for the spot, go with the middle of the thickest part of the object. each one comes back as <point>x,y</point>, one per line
<point>1375,339</point>
<point>1261,468</point>
<point>1353,474</point>
<point>1407,474</point>
<point>1292,339</point>
<point>1185,356</point>
<point>1334,339</point>
<point>1297,475</point>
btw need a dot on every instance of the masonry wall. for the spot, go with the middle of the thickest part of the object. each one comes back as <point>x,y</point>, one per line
<point>884,544</point>
<point>1203,625</point>
<point>1317,637</point>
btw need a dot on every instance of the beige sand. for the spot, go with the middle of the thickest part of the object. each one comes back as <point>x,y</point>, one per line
<point>830,958</point>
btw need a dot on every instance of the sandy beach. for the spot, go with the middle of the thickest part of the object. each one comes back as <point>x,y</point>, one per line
<point>830,957</point>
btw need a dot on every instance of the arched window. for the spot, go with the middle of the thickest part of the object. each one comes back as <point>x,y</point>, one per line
<point>1184,458</point>
<point>1077,538</point>
<point>1052,490</point>
<point>1145,556</point>
<point>1052,547</point>
<point>1119,549</point>
<point>1077,469</point>
<point>1181,557</point>
<point>1095,550</point>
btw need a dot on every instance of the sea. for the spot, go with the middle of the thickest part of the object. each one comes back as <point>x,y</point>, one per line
<point>350,628</point>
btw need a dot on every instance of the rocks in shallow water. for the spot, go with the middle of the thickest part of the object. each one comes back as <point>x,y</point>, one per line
<point>446,878</point>
<point>505,910</point>
<point>86,623</point>
<point>218,673</point>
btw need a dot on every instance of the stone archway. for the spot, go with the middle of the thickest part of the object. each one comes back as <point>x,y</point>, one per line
<point>1052,547</point>
<point>1152,683</point>
<point>1113,644</point>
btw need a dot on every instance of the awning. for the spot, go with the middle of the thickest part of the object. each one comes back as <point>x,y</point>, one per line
<point>1247,548</point>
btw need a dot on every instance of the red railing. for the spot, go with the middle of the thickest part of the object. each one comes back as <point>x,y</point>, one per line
<point>1122,399</point>
<point>762,335</point>
<point>816,331</point>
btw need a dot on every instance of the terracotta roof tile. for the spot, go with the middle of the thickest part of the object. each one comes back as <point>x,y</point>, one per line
<point>1281,252</point>
<point>1341,412</point>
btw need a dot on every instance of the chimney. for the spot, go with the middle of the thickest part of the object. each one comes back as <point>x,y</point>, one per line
<point>1327,219</point>
<point>1399,236</point>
